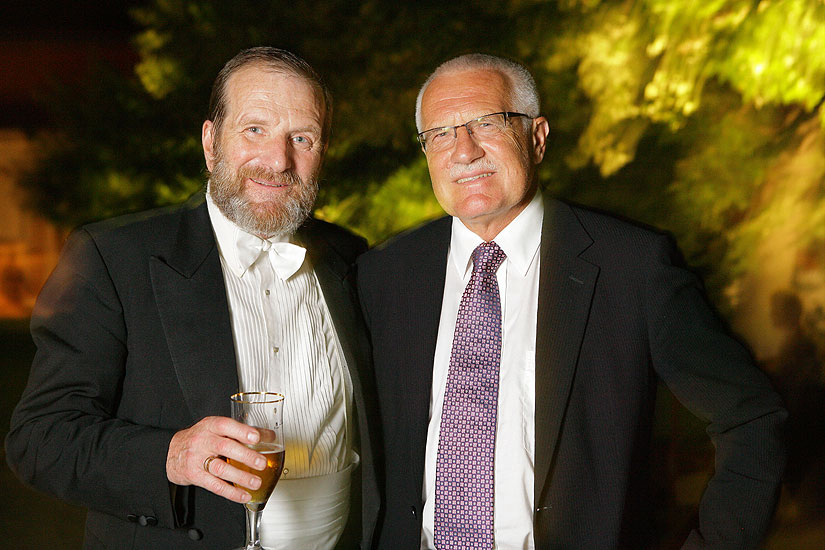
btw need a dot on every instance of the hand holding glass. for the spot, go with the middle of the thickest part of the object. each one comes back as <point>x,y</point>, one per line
<point>264,411</point>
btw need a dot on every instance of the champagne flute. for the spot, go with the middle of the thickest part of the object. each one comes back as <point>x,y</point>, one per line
<point>264,411</point>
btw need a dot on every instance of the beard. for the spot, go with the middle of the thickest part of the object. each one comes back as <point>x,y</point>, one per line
<point>272,217</point>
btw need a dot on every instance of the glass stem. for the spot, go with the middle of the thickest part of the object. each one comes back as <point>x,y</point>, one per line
<point>253,523</point>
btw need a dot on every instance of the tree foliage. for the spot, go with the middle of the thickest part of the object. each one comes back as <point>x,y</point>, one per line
<point>686,115</point>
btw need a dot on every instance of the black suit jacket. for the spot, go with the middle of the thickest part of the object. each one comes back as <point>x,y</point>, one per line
<point>615,312</point>
<point>134,343</point>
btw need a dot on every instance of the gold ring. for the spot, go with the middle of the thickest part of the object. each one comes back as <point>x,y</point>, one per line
<point>207,461</point>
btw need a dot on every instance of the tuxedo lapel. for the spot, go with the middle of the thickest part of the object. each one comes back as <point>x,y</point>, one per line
<point>339,293</point>
<point>336,282</point>
<point>187,281</point>
<point>335,276</point>
<point>566,289</point>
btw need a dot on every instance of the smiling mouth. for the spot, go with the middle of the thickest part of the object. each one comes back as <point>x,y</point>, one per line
<point>269,184</point>
<point>473,178</point>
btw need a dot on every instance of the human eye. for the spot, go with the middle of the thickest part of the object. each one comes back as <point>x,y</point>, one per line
<point>302,142</point>
<point>254,130</point>
<point>487,125</point>
<point>440,135</point>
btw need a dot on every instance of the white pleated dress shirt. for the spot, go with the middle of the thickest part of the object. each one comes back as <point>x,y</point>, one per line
<point>285,342</point>
<point>518,281</point>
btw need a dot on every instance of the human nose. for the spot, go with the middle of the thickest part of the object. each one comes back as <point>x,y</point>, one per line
<point>277,154</point>
<point>466,148</point>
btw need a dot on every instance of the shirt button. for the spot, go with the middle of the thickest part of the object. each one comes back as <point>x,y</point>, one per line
<point>286,471</point>
<point>266,292</point>
<point>276,349</point>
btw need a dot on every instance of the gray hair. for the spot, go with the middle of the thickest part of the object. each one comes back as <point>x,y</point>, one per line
<point>274,59</point>
<point>525,95</point>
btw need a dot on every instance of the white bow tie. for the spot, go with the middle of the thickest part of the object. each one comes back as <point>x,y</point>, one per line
<point>286,258</point>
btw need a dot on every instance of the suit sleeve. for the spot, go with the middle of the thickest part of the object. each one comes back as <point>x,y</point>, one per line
<point>714,376</point>
<point>66,438</point>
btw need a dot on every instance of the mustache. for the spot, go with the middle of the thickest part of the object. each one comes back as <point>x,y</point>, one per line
<point>288,177</point>
<point>458,171</point>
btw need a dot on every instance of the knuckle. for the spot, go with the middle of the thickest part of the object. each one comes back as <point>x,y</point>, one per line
<point>189,456</point>
<point>218,467</point>
<point>200,436</point>
<point>216,486</point>
<point>224,447</point>
<point>218,423</point>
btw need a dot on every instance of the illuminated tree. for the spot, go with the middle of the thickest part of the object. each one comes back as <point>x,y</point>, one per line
<point>703,118</point>
<point>686,115</point>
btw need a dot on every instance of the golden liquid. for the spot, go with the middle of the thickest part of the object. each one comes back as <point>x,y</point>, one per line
<point>269,476</point>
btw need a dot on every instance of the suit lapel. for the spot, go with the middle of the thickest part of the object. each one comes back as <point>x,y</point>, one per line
<point>191,298</point>
<point>566,288</point>
<point>424,284</point>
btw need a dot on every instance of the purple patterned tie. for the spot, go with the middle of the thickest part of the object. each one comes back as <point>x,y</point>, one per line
<point>467,441</point>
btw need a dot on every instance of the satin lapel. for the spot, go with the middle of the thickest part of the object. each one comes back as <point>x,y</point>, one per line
<point>191,298</point>
<point>424,283</point>
<point>565,292</point>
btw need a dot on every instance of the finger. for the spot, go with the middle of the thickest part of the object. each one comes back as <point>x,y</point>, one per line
<point>268,436</point>
<point>227,427</point>
<point>209,436</point>
<point>240,453</point>
<point>220,487</point>
<point>242,466</point>
<point>235,473</point>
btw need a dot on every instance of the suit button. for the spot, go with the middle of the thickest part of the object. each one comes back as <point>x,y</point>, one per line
<point>147,520</point>
<point>194,534</point>
<point>131,517</point>
<point>412,510</point>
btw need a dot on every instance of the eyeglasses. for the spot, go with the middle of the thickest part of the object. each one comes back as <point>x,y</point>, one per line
<point>484,127</point>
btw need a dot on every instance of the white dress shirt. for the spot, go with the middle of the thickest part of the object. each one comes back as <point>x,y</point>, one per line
<point>518,280</point>
<point>285,342</point>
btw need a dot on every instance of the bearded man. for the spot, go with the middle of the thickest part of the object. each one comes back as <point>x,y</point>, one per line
<point>151,321</point>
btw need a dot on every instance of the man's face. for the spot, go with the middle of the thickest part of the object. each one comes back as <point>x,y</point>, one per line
<point>484,183</point>
<point>265,160</point>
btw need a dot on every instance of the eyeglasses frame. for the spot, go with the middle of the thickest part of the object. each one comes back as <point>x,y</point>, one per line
<point>507,116</point>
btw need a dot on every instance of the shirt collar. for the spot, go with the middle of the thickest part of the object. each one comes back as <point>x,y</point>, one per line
<point>520,240</point>
<point>226,233</point>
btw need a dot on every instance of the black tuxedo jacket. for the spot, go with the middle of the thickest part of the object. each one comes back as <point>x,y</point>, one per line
<point>615,312</point>
<point>134,343</point>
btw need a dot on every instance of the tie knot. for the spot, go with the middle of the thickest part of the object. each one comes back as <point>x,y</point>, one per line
<point>487,257</point>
